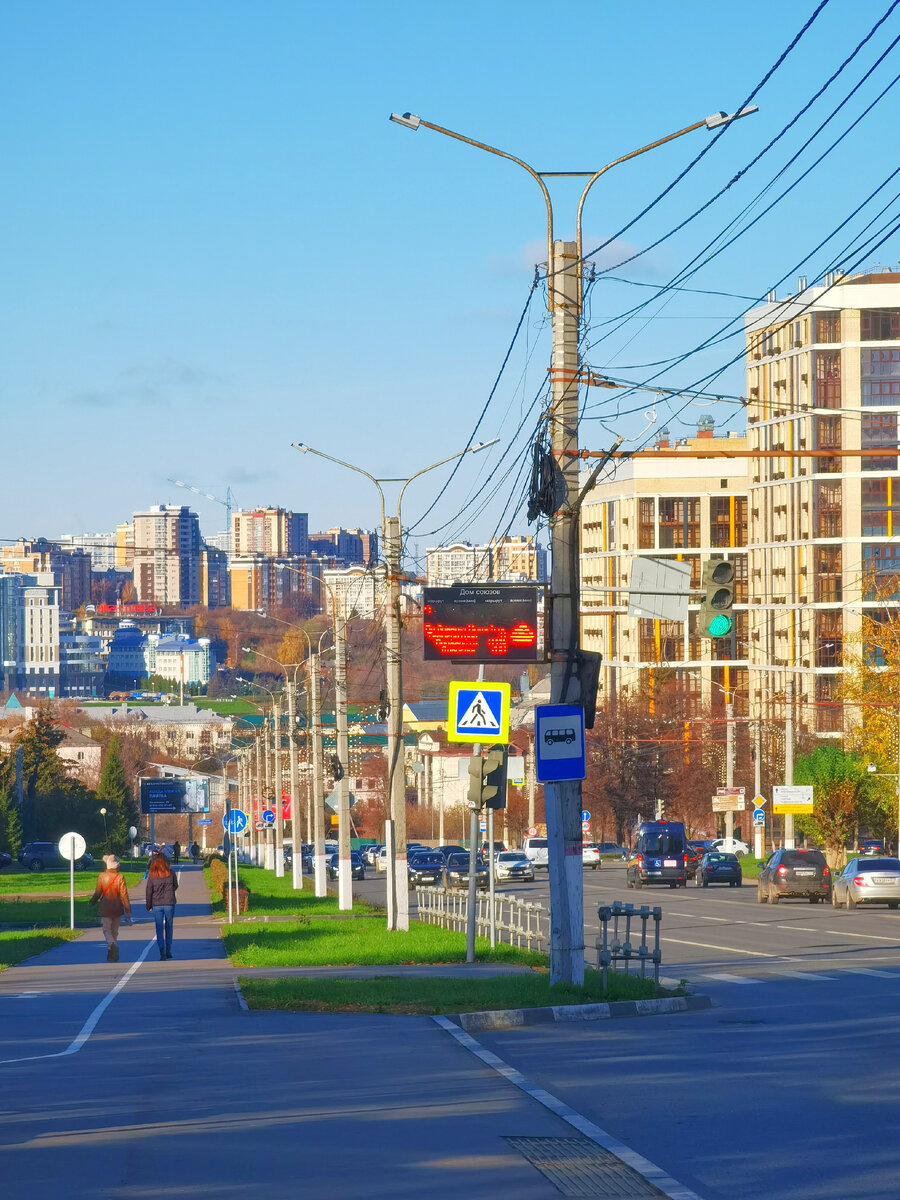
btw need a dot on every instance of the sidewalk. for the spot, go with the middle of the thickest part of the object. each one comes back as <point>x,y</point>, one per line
<point>177,1092</point>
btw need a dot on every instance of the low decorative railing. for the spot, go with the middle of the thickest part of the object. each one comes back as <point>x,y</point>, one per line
<point>517,922</point>
<point>615,948</point>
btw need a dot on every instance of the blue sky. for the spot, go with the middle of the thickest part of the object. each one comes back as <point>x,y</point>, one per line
<point>216,244</point>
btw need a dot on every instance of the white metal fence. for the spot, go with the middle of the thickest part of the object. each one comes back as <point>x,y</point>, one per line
<point>517,922</point>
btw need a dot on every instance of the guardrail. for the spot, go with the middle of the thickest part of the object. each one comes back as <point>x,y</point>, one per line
<point>518,920</point>
<point>615,950</point>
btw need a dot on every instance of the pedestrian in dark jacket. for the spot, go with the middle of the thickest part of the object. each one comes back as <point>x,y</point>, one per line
<point>195,852</point>
<point>159,897</point>
<point>176,852</point>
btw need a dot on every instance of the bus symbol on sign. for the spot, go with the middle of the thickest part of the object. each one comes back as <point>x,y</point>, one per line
<point>566,736</point>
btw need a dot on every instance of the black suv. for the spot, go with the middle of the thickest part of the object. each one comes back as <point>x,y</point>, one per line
<point>43,856</point>
<point>794,873</point>
<point>660,856</point>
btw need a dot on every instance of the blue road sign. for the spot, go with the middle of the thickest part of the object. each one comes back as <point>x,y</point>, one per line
<point>585,815</point>
<point>759,816</point>
<point>234,821</point>
<point>559,743</point>
<point>478,712</point>
<point>268,816</point>
<point>205,821</point>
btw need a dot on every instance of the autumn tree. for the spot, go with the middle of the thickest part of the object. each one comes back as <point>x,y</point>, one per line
<point>114,794</point>
<point>840,782</point>
<point>10,824</point>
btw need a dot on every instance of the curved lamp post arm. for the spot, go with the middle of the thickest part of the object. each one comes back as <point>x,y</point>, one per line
<point>450,458</point>
<point>304,449</point>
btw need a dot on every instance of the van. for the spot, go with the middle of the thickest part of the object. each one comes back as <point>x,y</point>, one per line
<point>536,849</point>
<point>660,855</point>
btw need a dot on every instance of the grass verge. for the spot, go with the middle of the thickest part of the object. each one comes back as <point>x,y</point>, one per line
<point>270,896</point>
<point>17,880</point>
<point>15,947</point>
<point>357,943</point>
<point>428,997</point>
<point>53,912</point>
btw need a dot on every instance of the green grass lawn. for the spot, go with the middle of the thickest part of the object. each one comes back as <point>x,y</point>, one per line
<point>428,997</point>
<point>361,942</point>
<point>16,879</point>
<point>16,947</point>
<point>47,912</point>
<point>270,896</point>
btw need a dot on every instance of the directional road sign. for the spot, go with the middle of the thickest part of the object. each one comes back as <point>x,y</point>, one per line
<point>585,816</point>
<point>559,742</point>
<point>759,816</point>
<point>234,821</point>
<point>792,799</point>
<point>268,816</point>
<point>478,712</point>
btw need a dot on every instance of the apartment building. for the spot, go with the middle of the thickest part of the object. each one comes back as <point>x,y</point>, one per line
<point>125,546</point>
<point>508,560</point>
<point>100,546</point>
<point>272,531</point>
<point>348,546</point>
<point>260,582</point>
<point>684,507</point>
<point>70,566</point>
<point>823,377</point>
<point>355,592</point>
<point>167,550</point>
<point>215,578</point>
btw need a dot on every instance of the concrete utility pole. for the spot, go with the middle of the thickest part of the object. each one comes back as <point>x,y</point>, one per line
<point>789,760</point>
<point>530,780</point>
<point>296,836</point>
<point>563,800</point>
<point>397,882</point>
<point>256,814</point>
<point>758,830</point>
<point>729,764</point>
<point>342,785</point>
<point>279,786</point>
<point>318,799</point>
<point>268,848</point>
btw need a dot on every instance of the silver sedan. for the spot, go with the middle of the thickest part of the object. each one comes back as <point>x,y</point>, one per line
<point>868,881</point>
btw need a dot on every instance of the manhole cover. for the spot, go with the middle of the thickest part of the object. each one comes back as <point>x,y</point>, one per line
<point>578,1167</point>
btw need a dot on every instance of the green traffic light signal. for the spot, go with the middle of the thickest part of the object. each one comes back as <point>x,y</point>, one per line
<point>715,619</point>
<point>720,625</point>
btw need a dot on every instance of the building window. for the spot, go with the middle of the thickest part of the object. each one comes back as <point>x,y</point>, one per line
<point>880,325</point>
<point>828,705</point>
<point>828,327</point>
<point>828,568</point>
<point>829,639</point>
<point>828,510</point>
<point>679,523</point>
<point>880,507</point>
<point>881,567</point>
<point>879,429</point>
<point>646,525</point>
<point>828,379</point>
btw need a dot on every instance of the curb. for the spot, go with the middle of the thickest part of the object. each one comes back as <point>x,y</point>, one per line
<point>516,1018</point>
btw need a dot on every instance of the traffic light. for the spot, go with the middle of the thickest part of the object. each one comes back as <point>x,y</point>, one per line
<point>716,619</point>
<point>487,778</point>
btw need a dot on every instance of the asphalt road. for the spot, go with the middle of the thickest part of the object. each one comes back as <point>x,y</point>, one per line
<point>721,934</point>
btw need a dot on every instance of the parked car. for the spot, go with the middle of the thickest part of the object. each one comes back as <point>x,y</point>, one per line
<point>867,881</point>
<point>871,846</point>
<point>659,855</point>
<point>446,851</point>
<point>456,872</point>
<point>590,855</point>
<point>45,856</point>
<point>535,848</point>
<point>803,873</point>
<point>730,846</point>
<point>484,848</point>
<point>381,860</point>
<point>357,866</point>
<point>610,848</point>
<point>719,868</point>
<point>514,865</point>
<point>705,846</point>
<point>5,859</point>
<point>692,857</point>
<point>425,867</point>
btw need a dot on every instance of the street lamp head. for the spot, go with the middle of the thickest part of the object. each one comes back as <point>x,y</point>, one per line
<point>300,446</point>
<point>410,120</point>
<point>479,446</point>
<point>722,118</point>
<point>871,768</point>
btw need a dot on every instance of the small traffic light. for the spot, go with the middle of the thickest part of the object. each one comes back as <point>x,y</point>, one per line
<point>716,619</point>
<point>487,778</point>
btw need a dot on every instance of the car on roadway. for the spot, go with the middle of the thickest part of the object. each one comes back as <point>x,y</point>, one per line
<point>658,856</point>
<point>446,851</point>
<point>45,856</point>
<point>535,848</point>
<point>730,845</point>
<point>514,865</point>
<point>357,866</point>
<point>719,868</point>
<point>867,880</point>
<point>381,860</point>
<point>484,848</point>
<point>610,848</point>
<point>870,846</point>
<point>5,859</point>
<point>425,867</point>
<point>801,873</point>
<point>456,872</point>
<point>370,853</point>
<point>705,846</point>
<point>590,855</point>
<point>692,858</point>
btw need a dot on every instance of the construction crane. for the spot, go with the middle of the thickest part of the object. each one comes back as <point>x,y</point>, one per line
<point>227,503</point>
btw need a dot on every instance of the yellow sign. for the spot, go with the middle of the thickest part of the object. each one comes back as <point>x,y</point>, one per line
<point>478,712</point>
<point>792,801</point>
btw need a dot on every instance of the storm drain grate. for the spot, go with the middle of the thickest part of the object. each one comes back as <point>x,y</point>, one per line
<point>578,1167</point>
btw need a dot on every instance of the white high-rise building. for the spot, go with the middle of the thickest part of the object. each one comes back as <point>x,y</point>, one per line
<point>167,549</point>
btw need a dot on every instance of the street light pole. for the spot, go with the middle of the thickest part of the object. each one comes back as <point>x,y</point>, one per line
<point>563,800</point>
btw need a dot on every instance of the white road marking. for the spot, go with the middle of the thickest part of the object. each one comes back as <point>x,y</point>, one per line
<point>873,937</point>
<point>872,971</point>
<point>91,1023</point>
<point>724,949</point>
<point>653,1174</point>
<point>731,978</point>
<point>809,976</point>
<point>801,928</point>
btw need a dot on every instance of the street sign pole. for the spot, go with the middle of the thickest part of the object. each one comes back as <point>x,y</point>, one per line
<point>72,882</point>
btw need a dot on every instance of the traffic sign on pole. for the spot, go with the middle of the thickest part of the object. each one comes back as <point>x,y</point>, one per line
<point>559,742</point>
<point>260,826</point>
<point>268,816</point>
<point>234,821</point>
<point>585,816</point>
<point>759,816</point>
<point>478,712</point>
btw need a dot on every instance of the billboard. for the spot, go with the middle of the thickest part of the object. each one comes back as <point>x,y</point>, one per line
<point>482,623</point>
<point>190,795</point>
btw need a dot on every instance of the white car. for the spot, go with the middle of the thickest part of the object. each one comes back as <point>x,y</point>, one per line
<point>513,864</point>
<point>381,859</point>
<point>536,849</point>
<point>590,855</point>
<point>730,846</point>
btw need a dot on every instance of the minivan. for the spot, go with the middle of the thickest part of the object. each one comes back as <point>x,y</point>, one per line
<point>659,855</point>
<point>536,849</point>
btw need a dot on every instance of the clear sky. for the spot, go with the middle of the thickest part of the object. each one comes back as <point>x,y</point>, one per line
<point>215,243</point>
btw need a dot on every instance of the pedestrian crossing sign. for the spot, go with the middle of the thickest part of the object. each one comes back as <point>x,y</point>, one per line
<point>478,712</point>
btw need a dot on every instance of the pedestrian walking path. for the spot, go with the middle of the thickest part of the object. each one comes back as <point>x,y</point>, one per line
<point>143,1078</point>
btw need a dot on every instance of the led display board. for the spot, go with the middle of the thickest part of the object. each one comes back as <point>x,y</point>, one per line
<point>482,623</point>
<point>190,795</point>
